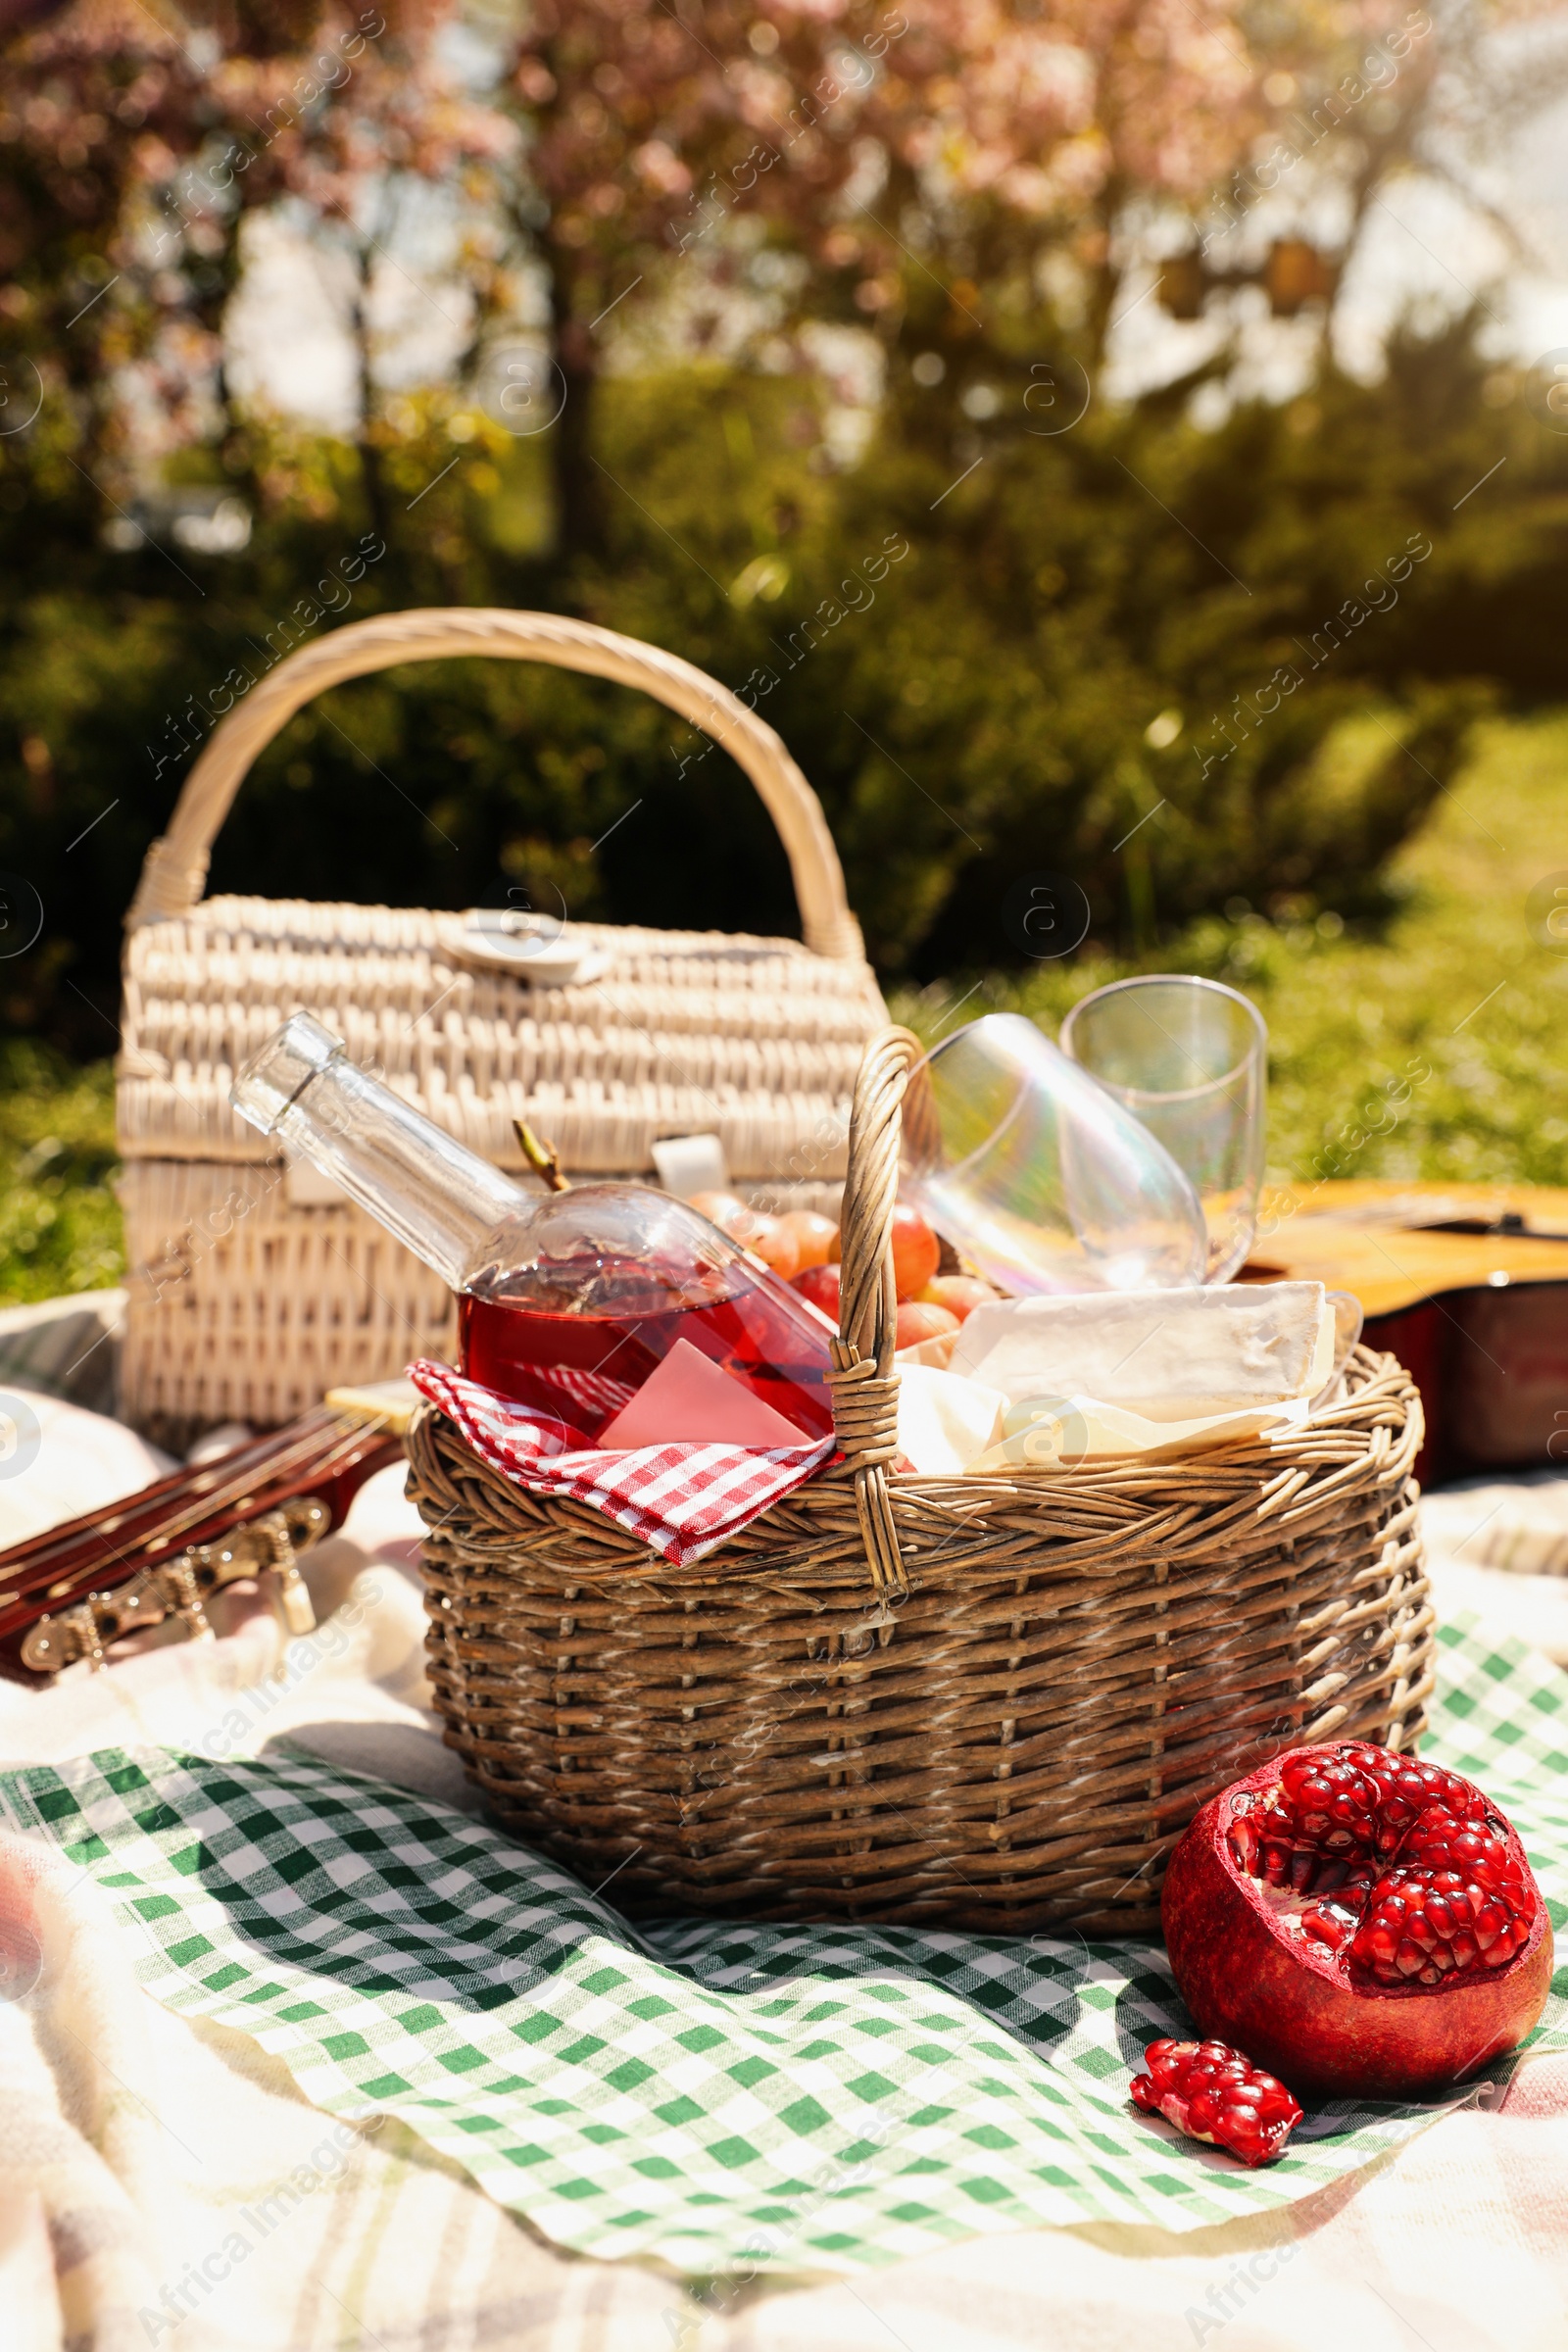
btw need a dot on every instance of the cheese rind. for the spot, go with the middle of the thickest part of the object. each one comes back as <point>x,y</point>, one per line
<point>1169,1355</point>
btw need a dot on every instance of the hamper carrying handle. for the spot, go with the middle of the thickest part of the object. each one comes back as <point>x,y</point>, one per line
<point>174,873</point>
<point>863,1379</point>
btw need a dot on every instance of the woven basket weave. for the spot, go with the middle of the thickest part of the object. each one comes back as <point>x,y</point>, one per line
<point>253,1291</point>
<point>990,1702</point>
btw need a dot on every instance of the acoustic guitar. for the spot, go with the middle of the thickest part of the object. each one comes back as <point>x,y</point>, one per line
<point>1466,1283</point>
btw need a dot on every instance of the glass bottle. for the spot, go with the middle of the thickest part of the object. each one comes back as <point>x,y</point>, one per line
<point>566,1301</point>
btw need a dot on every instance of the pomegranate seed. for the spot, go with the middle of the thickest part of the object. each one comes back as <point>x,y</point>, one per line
<point>1406,1788</point>
<point>1410,1866</point>
<point>1331,1923</point>
<point>1442,1843</point>
<point>1215,2093</point>
<point>1424,1925</point>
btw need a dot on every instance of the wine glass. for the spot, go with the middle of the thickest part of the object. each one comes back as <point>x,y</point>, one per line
<point>1188,1059</point>
<point>1038,1175</point>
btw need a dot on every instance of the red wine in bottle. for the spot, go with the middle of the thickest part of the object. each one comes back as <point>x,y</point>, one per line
<point>583,1367</point>
<point>567,1300</point>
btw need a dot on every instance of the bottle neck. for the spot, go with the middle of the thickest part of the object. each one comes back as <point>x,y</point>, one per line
<point>440,1199</point>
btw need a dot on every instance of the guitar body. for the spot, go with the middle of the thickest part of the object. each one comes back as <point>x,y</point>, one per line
<point>1467,1285</point>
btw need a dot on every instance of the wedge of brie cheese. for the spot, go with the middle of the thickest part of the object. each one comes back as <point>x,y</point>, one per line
<point>1169,1355</point>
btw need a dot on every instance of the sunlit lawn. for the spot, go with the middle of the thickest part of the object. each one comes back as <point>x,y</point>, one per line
<point>59,1220</point>
<point>1456,986</point>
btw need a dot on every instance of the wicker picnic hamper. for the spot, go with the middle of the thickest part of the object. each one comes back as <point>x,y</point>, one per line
<point>990,1702</point>
<point>253,1289</point>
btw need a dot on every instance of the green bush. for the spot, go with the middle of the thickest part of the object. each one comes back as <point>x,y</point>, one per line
<point>966,639</point>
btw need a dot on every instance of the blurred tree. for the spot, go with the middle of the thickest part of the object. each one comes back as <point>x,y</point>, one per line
<point>971,177</point>
<point>97,104</point>
<point>1022,131</point>
<point>1356,98</point>
<point>377,127</point>
<point>648,135</point>
<point>893,153</point>
<point>133,150</point>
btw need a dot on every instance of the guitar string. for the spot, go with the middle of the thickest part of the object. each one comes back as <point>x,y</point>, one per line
<point>304,1456</point>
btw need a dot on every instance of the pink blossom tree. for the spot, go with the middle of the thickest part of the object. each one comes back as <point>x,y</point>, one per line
<point>98,103</point>
<point>647,132</point>
<point>132,152</point>
<point>353,132</point>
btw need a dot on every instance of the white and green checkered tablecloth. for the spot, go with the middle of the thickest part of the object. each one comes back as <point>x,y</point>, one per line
<point>711,2096</point>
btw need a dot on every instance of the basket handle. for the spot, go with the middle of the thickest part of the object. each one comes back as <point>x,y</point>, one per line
<point>174,873</point>
<point>864,1378</point>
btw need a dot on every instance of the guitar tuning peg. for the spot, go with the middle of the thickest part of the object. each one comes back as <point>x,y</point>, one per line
<point>292,1597</point>
<point>81,1624</point>
<point>188,1607</point>
<point>290,1594</point>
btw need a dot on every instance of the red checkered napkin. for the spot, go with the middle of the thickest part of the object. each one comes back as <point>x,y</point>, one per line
<point>681,1501</point>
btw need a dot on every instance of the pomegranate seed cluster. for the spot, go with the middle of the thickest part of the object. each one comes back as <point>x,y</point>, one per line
<point>1409,1868</point>
<point>1214,2093</point>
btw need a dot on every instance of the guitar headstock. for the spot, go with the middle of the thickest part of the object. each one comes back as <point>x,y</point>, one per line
<point>74,1591</point>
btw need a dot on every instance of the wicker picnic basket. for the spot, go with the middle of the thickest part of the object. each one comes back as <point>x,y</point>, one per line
<point>991,1702</point>
<point>255,1288</point>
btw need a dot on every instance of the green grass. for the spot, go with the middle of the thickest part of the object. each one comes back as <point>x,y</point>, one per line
<point>1453,986</point>
<point>59,1219</point>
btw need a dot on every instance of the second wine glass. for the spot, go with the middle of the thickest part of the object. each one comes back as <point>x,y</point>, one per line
<point>1188,1059</point>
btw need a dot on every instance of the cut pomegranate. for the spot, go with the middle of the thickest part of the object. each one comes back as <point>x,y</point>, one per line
<point>1212,2092</point>
<point>1364,1923</point>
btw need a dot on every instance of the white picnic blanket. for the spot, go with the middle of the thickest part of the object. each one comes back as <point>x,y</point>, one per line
<point>163,2181</point>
